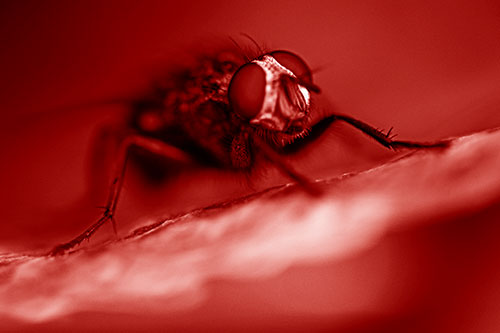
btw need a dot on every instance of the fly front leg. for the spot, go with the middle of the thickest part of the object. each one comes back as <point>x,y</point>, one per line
<point>154,146</point>
<point>386,139</point>
<point>285,168</point>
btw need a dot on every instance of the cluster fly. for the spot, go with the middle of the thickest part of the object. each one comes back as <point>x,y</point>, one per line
<point>225,111</point>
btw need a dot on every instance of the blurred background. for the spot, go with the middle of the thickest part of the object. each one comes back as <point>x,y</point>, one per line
<point>431,69</point>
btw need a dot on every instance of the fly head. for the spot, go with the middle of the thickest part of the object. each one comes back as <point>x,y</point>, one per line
<point>273,94</point>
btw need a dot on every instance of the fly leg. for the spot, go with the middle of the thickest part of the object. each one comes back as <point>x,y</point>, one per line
<point>152,145</point>
<point>286,168</point>
<point>386,139</point>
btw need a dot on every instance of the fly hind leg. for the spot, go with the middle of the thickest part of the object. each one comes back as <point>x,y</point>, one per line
<point>154,146</point>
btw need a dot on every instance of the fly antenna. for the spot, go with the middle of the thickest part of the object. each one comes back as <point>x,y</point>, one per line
<point>259,48</point>
<point>238,46</point>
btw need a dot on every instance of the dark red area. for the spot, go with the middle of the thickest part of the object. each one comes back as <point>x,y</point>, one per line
<point>430,69</point>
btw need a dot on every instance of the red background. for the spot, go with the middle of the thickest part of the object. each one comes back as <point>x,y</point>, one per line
<point>431,69</point>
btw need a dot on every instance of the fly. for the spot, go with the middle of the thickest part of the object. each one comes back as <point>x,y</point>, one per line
<point>224,112</point>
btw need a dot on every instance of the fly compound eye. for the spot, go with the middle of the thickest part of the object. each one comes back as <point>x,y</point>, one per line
<point>247,90</point>
<point>297,66</point>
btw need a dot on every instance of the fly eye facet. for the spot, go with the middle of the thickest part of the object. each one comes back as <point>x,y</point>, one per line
<point>247,90</point>
<point>297,66</point>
